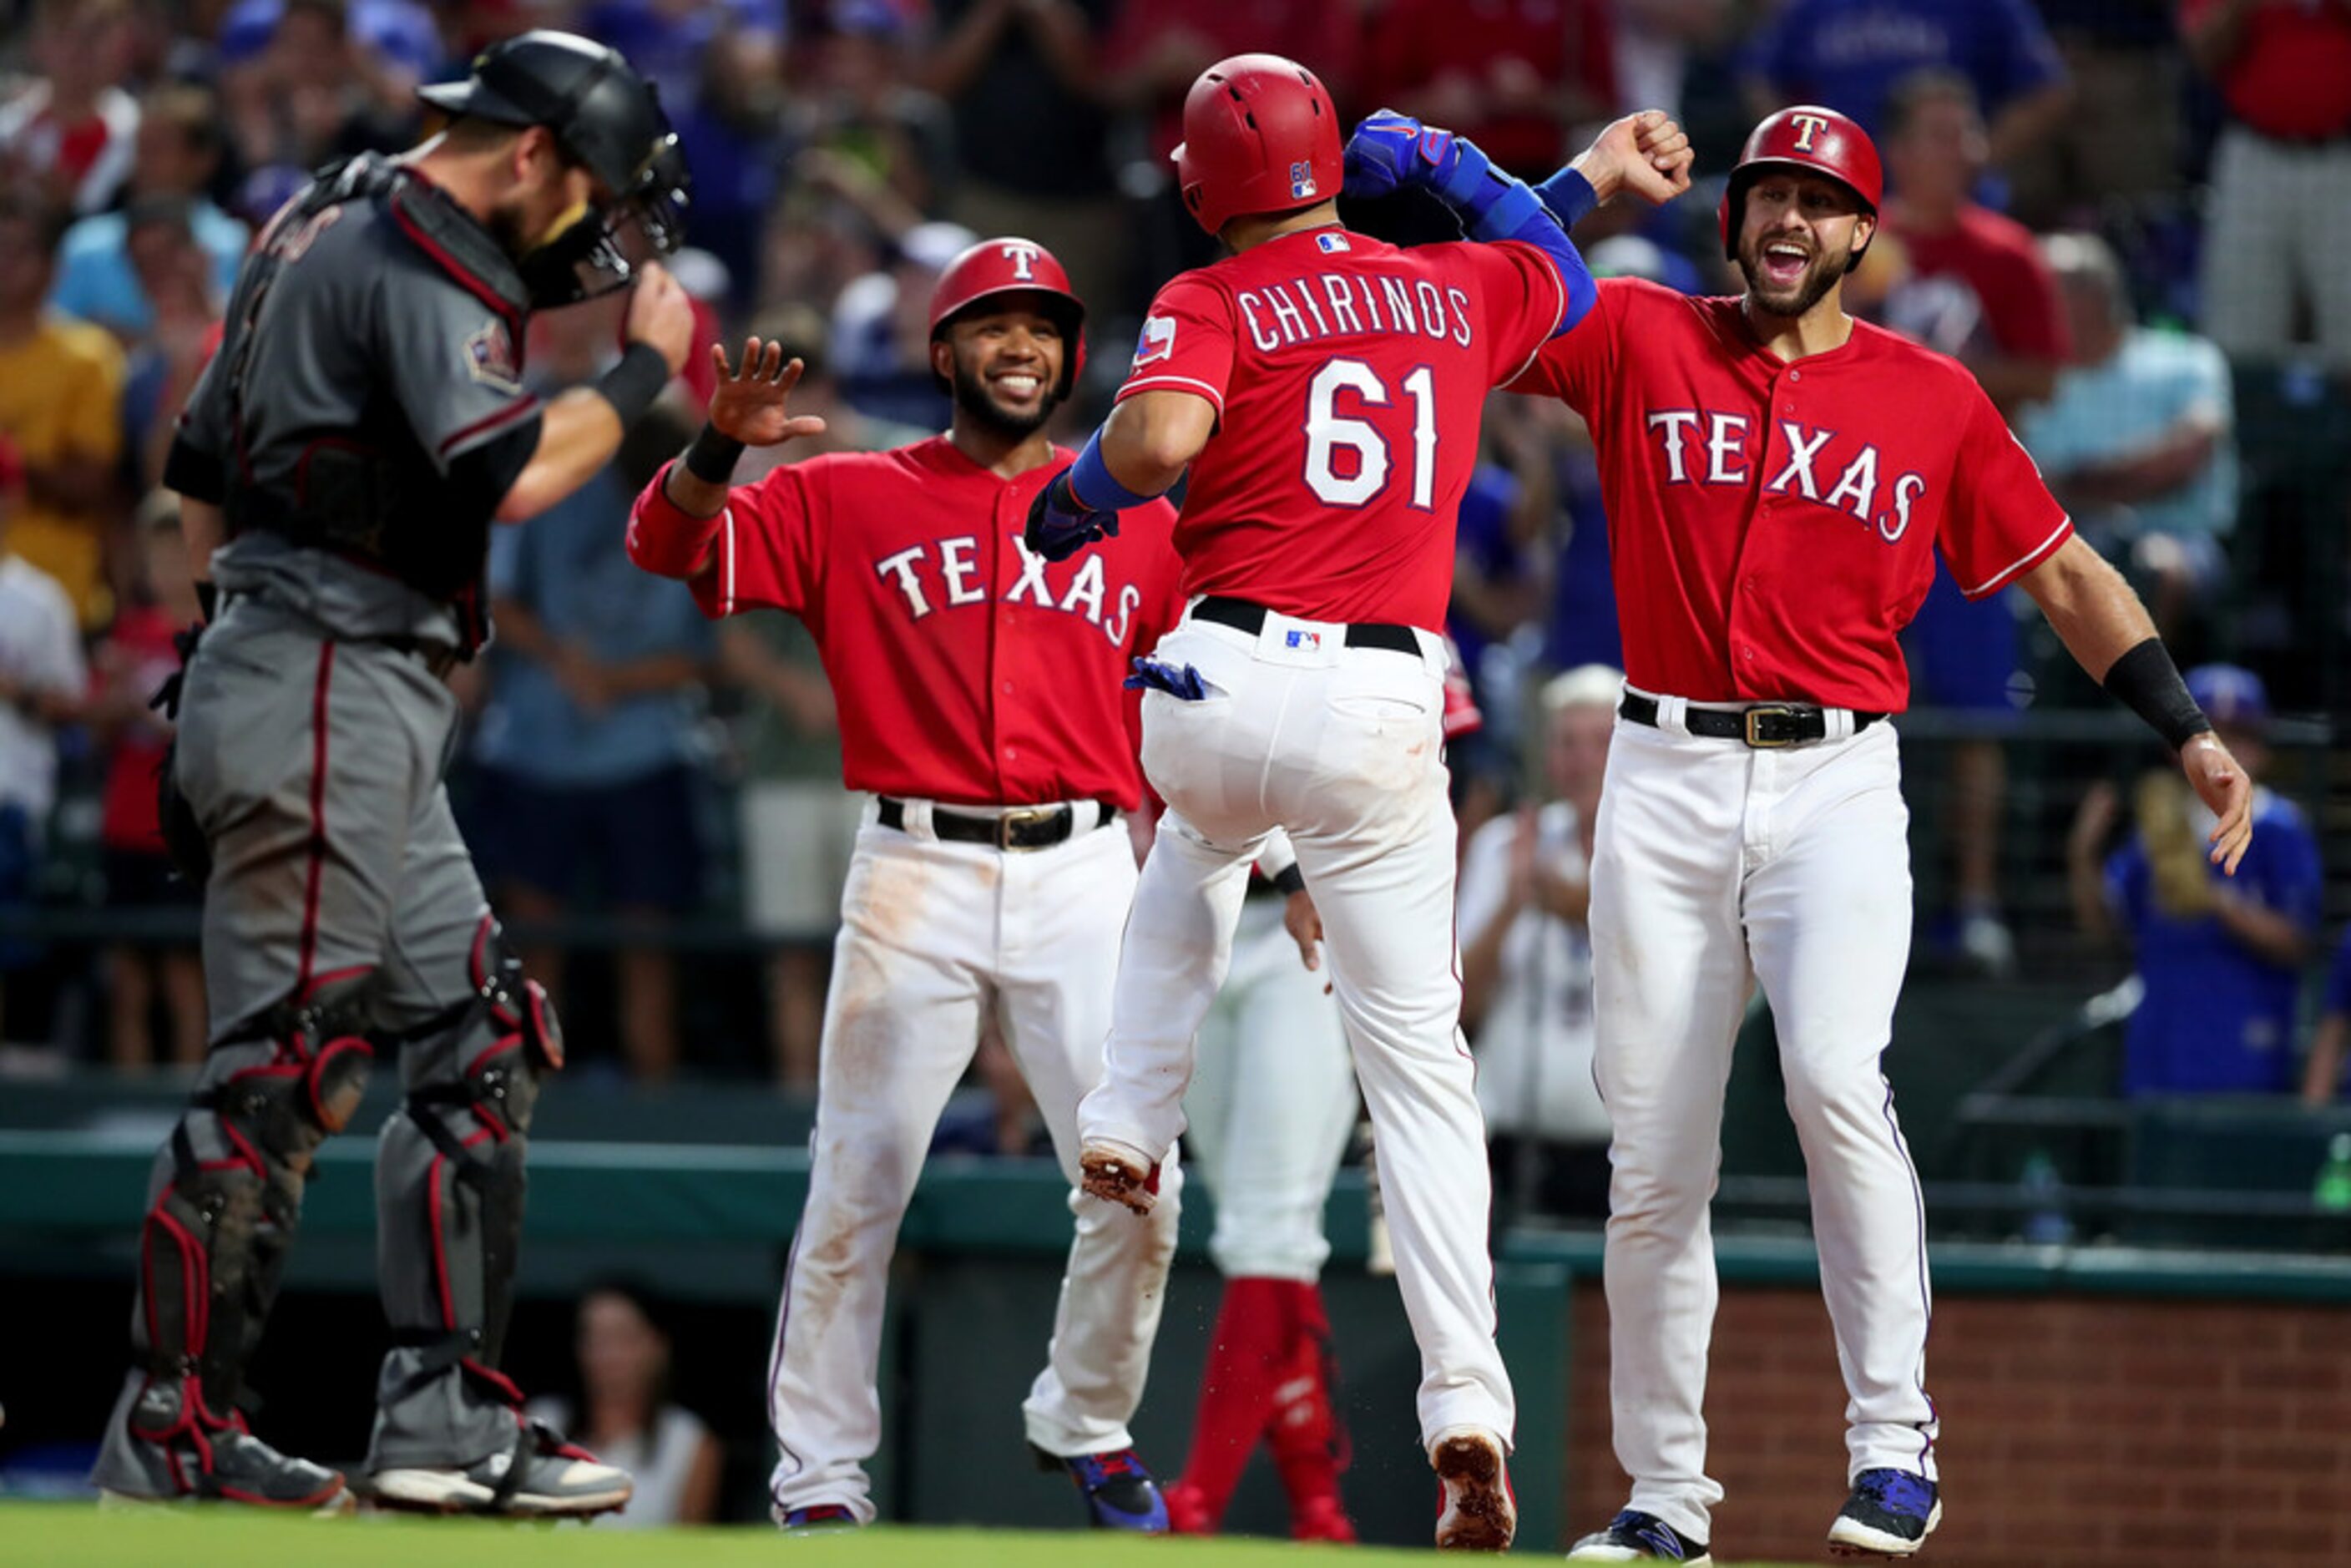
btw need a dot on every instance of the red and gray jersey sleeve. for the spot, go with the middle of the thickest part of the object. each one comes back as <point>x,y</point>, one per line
<point>2001,521</point>
<point>1186,344</point>
<point>453,362</point>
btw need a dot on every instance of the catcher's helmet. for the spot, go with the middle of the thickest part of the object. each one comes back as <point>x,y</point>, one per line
<point>1260,136</point>
<point>607,118</point>
<point>1807,138</point>
<point>1010,264</point>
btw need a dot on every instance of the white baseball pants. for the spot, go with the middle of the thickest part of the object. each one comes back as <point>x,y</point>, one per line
<point>1714,865</point>
<point>932,933</point>
<point>1271,1106</point>
<point>1342,748</point>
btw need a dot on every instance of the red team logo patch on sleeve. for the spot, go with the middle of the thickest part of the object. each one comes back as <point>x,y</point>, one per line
<point>1158,340</point>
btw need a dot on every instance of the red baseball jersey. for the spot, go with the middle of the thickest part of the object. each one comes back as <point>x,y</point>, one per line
<point>1348,377</point>
<point>1772,523</point>
<point>964,669</point>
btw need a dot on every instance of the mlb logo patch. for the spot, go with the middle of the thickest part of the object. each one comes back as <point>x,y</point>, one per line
<point>1158,340</point>
<point>1301,181</point>
<point>1331,244</point>
<point>1309,641</point>
<point>490,357</point>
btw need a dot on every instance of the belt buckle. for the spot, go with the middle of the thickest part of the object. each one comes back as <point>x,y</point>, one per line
<point>1753,719</point>
<point>1018,818</point>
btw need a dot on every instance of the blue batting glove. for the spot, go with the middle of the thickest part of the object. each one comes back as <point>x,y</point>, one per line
<point>1390,152</point>
<point>1058,527</point>
<point>1182,683</point>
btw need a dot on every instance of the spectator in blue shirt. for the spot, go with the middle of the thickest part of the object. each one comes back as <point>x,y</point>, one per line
<point>2322,1078</point>
<point>1849,54</point>
<point>2220,957</point>
<point>174,157</point>
<point>588,745</point>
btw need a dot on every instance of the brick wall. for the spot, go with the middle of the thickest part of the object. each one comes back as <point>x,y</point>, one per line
<point>2078,1432</point>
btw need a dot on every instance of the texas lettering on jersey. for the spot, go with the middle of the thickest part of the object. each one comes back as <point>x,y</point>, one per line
<point>1772,525</point>
<point>1348,377</point>
<point>964,669</point>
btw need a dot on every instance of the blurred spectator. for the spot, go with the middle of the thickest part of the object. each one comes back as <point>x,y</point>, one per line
<point>2137,443</point>
<point>316,86</point>
<point>732,132</point>
<point>2280,222</point>
<point>1020,80</point>
<point>179,153</point>
<point>42,684</point>
<point>880,346</point>
<point>1157,48</point>
<point>1852,54</point>
<point>669,41</point>
<point>2322,1077</point>
<point>1512,75</point>
<point>1526,963</point>
<point>1655,39</point>
<point>2220,956</point>
<point>68,138</point>
<point>799,825</point>
<point>1499,547</point>
<point>135,658</point>
<point>1971,284</point>
<point>588,748</point>
<point>175,277</point>
<point>625,1417</point>
<point>398,42</point>
<point>2119,140</point>
<point>61,402</point>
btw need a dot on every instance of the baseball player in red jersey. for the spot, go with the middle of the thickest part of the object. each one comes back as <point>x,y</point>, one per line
<point>979,699</point>
<point>1777,478</point>
<point>1324,390</point>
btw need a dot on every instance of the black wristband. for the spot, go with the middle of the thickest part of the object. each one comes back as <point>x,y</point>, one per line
<point>1291,879</point>
<point>207,599</point>
<point>2146,682</point>
<point>631,385</point>
<point>712,457</point>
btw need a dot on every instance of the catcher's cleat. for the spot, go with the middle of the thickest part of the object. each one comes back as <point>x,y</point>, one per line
<point>541,1477</point>
<point>232,1466</point>
<point>1636,1537</point>
<point>1120,1493</point>
<point>1117,1173</point>
<point>1890,1514</point>
<point>1479,1512</point>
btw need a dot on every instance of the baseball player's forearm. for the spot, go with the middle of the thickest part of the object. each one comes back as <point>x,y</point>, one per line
<point>1151,437</point>
<point>579,431</point>
<point>2089,605</point>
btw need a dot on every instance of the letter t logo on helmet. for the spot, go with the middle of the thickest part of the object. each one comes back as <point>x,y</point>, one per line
<point>1260,136</point>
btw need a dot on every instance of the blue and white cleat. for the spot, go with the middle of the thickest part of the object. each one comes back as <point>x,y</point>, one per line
<point>1636,1537</point>
<point>1120,1493</point>
<point>1890,1514</point>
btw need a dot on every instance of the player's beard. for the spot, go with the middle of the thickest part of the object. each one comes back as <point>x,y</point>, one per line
<point>978,404</point>
<point>1821,275</point>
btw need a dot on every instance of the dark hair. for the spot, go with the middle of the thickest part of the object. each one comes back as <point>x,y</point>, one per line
<point>175,212</point>
<point>192,110</point>
<point>48,220</point>
<point>1914,92</point>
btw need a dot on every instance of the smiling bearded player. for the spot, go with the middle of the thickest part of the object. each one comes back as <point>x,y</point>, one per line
<point>1777,480</point>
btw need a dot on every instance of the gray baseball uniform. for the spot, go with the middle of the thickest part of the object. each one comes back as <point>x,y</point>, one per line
<point>360,422</point>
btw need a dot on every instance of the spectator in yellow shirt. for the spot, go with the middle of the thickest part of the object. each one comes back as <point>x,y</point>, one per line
<point>61,402</point>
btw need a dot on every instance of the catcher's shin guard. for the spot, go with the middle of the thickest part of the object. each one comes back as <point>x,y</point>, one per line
<point>449,1201</point>
<point>226,1199</point>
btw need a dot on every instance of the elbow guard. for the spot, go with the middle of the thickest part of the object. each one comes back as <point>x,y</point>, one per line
<point>1500,206</point>
<point>665,540</point>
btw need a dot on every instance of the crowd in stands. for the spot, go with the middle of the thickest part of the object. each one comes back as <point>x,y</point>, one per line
<point>2129,219</point>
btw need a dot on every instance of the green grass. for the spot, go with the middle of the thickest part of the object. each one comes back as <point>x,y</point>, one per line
<point>68,1535</point>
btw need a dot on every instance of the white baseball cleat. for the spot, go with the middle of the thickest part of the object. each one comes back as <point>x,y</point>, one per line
<point>1480,1514</point>
<point>1118,1173</point>
<point>533,1479</point>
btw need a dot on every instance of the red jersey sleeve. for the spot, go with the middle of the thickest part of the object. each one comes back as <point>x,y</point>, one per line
<point>1524,300</point>
<point>2001,521</point>
<point>1186,344</point>
<point>1577,364</point>
<point>770,550</point>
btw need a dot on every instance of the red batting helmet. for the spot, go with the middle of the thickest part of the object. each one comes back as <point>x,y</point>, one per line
<point>1809,138</point>
<point>1010,264</point>
<point>1260,136</point>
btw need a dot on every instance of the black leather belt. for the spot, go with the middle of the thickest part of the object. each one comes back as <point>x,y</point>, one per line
<point>1018,828</point>
<point>1243,616</point>
<point>1764,725</point>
